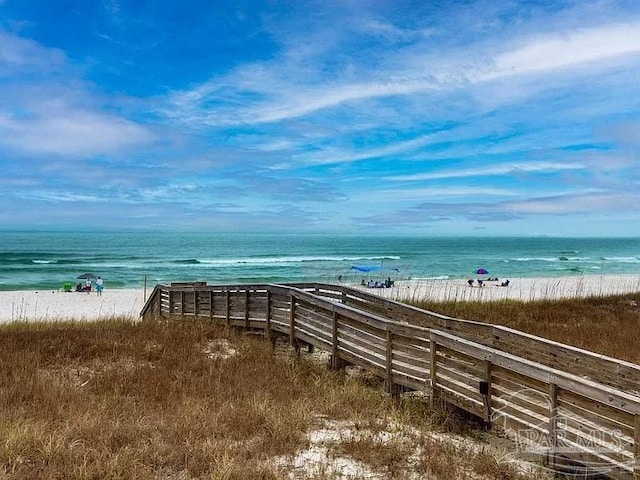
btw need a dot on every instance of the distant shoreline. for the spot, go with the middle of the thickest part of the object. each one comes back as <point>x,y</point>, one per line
<point>30,305</point>
<point>522,289</point>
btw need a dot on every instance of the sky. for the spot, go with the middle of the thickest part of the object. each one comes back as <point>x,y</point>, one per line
<point>358,117</point>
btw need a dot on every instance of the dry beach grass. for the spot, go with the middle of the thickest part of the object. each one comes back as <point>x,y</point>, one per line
<point>118,398</point>
<point>189,400</point>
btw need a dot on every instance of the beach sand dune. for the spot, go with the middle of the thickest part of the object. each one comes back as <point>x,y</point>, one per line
<point>56,305</point>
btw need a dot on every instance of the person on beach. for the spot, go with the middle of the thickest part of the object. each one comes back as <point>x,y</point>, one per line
<point>99,286</point>
<point>87,286</point>
<point>470,282</point>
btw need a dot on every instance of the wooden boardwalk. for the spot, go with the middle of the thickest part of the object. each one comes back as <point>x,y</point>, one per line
<point>571,407</point>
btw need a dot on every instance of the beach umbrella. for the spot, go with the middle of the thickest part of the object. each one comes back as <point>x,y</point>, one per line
<point>85,276</point>
<point>482,271</point>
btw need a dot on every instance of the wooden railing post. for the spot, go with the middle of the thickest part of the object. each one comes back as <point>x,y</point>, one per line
<point>433,369</point>
<point>292,322</point>
<point>210,304</point>
<point>267,327</point>
<point>227,308</point>
<point>195,303</point>
<point>553,424</point>
<point>246,308</point>
<point>171,303</point>
<point>158,304</point>
<point>182,303</point>
<point>485,390</point>
<point>389,385</point>
<point>636,447</point>
<point>336,361</point>
<point>334,339</point>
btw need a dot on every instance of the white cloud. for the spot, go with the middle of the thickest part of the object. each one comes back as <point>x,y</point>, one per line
<point>562,50</point>
<point>46,108</point>
<point>52,196</point>
<point>419,194</point>
<point>510,169</point>
<point>280,102</point>
<point>71,131</point>
<point>333,156</point>
<point>19,54</point>
<point>572,204</point>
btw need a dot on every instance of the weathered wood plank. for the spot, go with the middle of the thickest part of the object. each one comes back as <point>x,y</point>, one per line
<point>313,339</point>
<point>603,415</point>
<point>421,361</point>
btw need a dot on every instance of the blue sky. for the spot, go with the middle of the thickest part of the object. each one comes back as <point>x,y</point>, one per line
<point>428,118</point>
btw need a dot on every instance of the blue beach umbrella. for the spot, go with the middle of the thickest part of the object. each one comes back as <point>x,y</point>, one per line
<point>86,276</point>
<point>482,271</point>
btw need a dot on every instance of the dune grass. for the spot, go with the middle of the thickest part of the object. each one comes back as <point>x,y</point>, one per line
<point>607,325</point>
<point>189,400</point>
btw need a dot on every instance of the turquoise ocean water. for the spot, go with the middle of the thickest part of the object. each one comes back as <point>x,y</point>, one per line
<point>37,260</point>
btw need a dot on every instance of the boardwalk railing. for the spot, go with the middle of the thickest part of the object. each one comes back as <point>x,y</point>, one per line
<point>567,405</point>
<point>600,368</point>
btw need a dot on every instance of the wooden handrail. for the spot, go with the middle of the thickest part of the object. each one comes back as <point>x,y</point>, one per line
<point>616,371</point>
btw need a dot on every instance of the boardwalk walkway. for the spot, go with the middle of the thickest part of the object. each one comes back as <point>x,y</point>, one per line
<point>572,407</point>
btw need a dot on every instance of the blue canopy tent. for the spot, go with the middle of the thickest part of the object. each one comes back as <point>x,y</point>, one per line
<point>365,268</point>
<point>372,268</point>
<point>375,268</point>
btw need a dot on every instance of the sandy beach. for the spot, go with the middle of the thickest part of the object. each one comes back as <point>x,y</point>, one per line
<point>58,305</point>
<point>523,289</point>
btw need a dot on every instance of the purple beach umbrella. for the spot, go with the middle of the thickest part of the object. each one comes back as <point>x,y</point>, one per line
<point>482,271</point>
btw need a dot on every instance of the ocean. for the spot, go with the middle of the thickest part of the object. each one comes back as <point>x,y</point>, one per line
<point>39,260</point>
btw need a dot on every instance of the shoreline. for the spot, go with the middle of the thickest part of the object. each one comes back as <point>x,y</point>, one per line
<point>48,305</point>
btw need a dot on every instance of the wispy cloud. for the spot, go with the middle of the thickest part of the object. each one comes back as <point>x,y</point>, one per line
<point>61,118</point>
<point>65,130</point>
<point>331,155</point>
<point>277,98</point>
<point>510,169</point>
<point>19,55</point>
<point>416,194</point>
<point>559,51</point>
<point>591,202</point>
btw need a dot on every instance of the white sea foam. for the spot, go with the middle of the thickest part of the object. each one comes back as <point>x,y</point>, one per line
<point>285,260</point>
<point>439,277</point>
<point>536,259</point>
<point>623,259</point>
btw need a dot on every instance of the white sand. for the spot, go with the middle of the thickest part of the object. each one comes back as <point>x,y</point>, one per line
<point>56,305</point>
<point>523,289</point>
